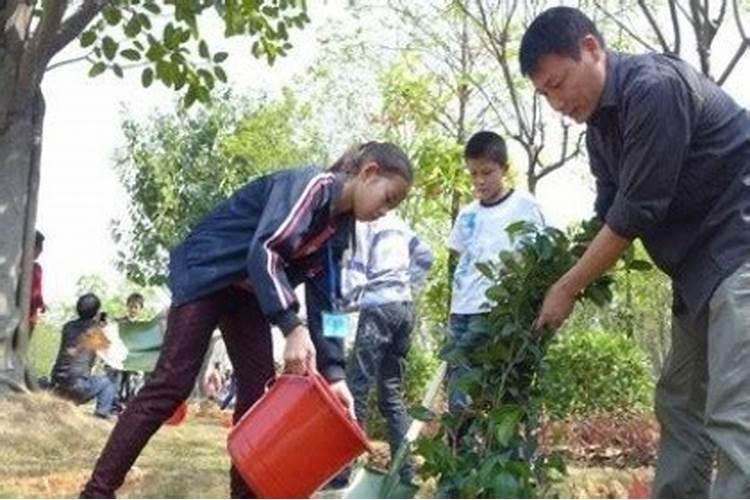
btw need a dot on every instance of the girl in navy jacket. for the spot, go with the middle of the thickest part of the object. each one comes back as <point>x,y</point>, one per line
<point>237,270</point>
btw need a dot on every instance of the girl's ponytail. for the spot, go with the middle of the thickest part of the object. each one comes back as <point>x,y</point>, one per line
<point>391,159</point>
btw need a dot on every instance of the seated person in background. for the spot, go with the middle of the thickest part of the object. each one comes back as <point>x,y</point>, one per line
<point>71,374</point>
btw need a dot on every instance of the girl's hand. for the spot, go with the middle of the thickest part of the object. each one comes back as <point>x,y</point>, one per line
<point>299,353</point>
<point>341,390</point>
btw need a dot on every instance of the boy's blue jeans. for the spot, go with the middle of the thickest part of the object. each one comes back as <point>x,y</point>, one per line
<point>463,330</point>
<point>101,388</point>
<point>379,358</point>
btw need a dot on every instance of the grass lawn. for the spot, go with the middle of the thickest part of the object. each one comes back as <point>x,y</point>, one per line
<point>48,447</point>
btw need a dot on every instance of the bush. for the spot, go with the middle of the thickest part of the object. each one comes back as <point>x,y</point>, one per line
<point>587,371</point>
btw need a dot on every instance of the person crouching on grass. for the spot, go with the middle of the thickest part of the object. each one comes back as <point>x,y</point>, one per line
<point>237,270</point>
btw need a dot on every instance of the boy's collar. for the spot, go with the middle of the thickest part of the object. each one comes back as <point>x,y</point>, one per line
<point>498,201</point>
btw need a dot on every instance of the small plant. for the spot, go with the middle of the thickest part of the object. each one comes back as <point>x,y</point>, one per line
<point>489,450</point>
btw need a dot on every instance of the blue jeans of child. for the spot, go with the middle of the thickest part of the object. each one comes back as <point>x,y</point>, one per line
<point>379,357</point>
<point>101,388</point>
<point>463,330</point>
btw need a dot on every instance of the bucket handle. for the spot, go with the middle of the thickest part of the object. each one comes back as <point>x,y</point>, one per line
<point>273,378</point>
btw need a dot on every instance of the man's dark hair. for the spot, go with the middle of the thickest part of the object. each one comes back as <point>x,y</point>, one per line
<point>557,31</point>
<point>487,145</point>
<point>134,298</point>
<point>88,305</point>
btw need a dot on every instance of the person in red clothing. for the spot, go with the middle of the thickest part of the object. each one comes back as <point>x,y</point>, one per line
<point>37,299</point>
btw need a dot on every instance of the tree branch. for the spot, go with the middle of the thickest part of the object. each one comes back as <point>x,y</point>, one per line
<point>740,50</point>
<point>85,57</point>
<point>52,15</point>
<point>545,171</point>
<point>497,45</point>
<point>675,26</point>
<point>654,25</point>
<point>732,63</point>
<point>625,28</point>
<point>738,20</point>
<point>71,28</point>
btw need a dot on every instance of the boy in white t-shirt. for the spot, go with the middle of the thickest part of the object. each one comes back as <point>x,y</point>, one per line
<point>479,235</point>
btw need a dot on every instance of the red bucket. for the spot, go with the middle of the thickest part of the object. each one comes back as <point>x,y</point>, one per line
<point>294,439</point>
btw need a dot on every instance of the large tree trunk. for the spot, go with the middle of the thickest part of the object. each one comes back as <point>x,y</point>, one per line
<point>21,116</point>
<point>20,149</point>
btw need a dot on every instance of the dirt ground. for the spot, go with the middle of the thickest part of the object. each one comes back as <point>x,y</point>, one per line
<point>48,447</point>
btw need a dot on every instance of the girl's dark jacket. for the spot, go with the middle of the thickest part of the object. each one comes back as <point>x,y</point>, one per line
<point>269,236</point>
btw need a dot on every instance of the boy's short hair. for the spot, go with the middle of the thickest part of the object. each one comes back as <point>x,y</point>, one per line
<point>134,299</point>
<point>88,305</point>
<point>558,31</point>
<point>487,145</point>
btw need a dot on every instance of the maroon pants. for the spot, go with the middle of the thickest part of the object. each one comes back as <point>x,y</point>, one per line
<point>189,327</point>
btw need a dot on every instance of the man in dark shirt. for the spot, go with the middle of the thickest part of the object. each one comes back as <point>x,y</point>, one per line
<point>71,374</point>
<point>670,152</point>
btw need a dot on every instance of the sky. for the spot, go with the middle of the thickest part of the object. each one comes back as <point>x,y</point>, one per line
<point>79,190</point>
<point>80,193</point>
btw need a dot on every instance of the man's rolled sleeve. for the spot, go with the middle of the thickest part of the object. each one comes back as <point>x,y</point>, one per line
<point>657,129</point>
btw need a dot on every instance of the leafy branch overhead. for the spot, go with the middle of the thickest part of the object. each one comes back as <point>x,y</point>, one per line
<point>489,450</point>
<point>165,38</point>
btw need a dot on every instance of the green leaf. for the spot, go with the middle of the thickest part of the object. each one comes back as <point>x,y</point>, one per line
<point>144,20</point>
<point>220,74</point>
<point>112,15</point>
<point>506,485</point>
<point>169,37</point>
<point>152,7</point>
<point>117,70</point>
<point>270,11</point>
<point>282,31</point>
<point>183,36</point>
<point>203,94</point>
<point>132,27</point>
<point>203,49</point>
<point>178,77</point>
<point>190,97</point>
<point>422,413</point>
<point>131,54</point>
<point>97,69</point>
<point>208,78</point>
<point>147,77</point>
<point>505,420</point>
<point>486,269</point>
<point>109,47</point>
<point>88,38</point>
<point>640,265</point>
<point>164,72</point>
<point>220,57</point>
